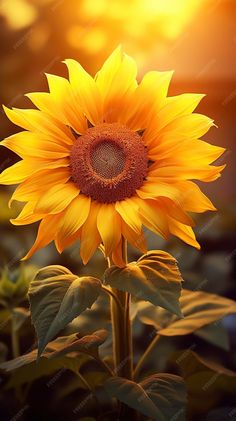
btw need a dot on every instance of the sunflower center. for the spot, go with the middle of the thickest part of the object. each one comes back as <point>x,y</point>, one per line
<point>107,159</point>
<point>108,162</point>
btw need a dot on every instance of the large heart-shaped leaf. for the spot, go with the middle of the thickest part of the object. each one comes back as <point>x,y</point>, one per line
<point>52,270</point>
<point>133,395</point>
<point>199,309</point>
<point>155,277</point>
<point>160,397</point>
<point>56,300</point>
<point>169,394</point>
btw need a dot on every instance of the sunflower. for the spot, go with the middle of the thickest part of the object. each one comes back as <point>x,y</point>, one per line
<point>105,157</point>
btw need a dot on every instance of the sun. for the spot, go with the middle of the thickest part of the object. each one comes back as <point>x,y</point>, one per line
<point>105,157</point>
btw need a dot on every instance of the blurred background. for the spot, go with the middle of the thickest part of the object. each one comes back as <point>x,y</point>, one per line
<point>197,39</point>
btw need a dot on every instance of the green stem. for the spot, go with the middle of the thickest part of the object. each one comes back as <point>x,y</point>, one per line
<point>104,365</point>
<point>121,327</point>
<point>85,383</point>
<point>87,386</point>
<point>122,338</point>
<point>144,357</point>
<point>110,292</point>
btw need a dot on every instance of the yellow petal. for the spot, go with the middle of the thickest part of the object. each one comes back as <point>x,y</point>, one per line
<point>27,215</point>
<point>32,188</point>
<point>153,217</point>
<point>27,144</point>
<point>86,92</point>
<point>137,239</point>
<point>43,101</point>
<point>150,190</point>
<point>90,237</point>
<point>174,209</point>
<point>35,120</point>
<point>74,217</point>
<point>62,243</point>
<point>181,153</point>
<point>192,199</point>
<point>115,79</point>
<point>174,107</point>
<point>148,98</point>
<point>46,233</point>
<point>177,198</point>
<point>128,210</point>
<point>117,255</point>
<point>184,232</point>
<point>60,103</point>
<point>57,198</point>
<point>63,96</point>
<point>24,168</point>
<point>172,173</point>
<point>193,125</point>
<point>200,150</point>
<point>109,227</point>
<point>16,173</point>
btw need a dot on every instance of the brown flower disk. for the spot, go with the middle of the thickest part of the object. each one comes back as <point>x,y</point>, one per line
<point>108,162</point>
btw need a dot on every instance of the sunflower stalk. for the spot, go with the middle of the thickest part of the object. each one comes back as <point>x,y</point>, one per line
<point>122,336</point>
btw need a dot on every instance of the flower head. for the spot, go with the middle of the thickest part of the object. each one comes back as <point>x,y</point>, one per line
<point>103,158</point>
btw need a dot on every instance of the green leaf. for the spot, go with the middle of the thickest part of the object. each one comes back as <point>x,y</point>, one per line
<point>215,334</point>
<point>199,309</point>
<point>133,395</point>
<point>31,356</point>
<point>169,394</point>
<point>55,301</point>
<point>161,396</point>
<point>95,379</point>
<point>155,277</point>
<point>207,382</point>
<point>87,344</point>
<point>52,270</point>
<point>25,369</point>
<point>154,316</point>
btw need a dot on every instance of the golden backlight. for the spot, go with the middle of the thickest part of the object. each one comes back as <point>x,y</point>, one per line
<point>94,27</point>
